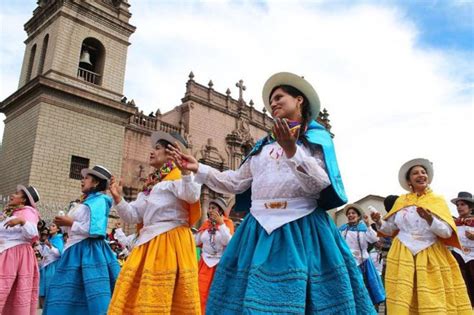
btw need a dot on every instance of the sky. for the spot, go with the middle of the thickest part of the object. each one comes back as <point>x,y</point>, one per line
<point>396,76</point>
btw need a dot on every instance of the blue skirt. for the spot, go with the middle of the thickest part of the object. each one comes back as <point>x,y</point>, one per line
<point>303,267</point>
<point>46,275</point>
<point>373,282</point>
<point>84,280</point>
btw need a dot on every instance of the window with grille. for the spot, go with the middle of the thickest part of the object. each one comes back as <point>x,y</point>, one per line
<point>77,164</point>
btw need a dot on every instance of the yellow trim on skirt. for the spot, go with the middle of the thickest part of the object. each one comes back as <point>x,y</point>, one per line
<point>159,277</point>
<point>428,283</point>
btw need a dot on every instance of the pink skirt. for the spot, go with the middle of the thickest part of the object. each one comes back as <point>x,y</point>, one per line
<point>19,279</point>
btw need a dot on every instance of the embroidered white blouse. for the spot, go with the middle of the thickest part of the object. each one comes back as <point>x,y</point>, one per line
<point>50,255</point>
<point>364,238</point>
<point>213,245</point>
<point>414,231</point>
<point>79,230</point>
<point>17,235</point>
<point>467,251</point>
<point>283,189</point>
<point>164,209</point>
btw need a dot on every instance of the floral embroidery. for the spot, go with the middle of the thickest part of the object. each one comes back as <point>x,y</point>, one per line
<point>157,176</point>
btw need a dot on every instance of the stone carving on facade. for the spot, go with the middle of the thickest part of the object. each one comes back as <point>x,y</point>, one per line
<point>210,155</point>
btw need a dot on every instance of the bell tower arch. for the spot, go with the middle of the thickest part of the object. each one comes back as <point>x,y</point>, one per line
<point>67,112</point>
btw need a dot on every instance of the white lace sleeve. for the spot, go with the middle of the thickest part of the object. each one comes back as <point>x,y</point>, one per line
<point>227,182</point>
<point>389,226</point>
<point>310,170</point>
<point>440,228</point>
<point>186,189</point>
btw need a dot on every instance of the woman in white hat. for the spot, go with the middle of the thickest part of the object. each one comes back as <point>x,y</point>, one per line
<point>422,275</point>
<point>359,234</point>
<point>19,274</point>
<point>465,225</point>
<point>88,268</point>
<point>287,256</point>
<point>160,276</point>
<point>213,236</point>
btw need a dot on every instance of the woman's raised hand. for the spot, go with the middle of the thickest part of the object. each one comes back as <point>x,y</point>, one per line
<point>425,214</point>
<point>63,220</point>
<point>375,216</point>
<point>285,138</point>
<point>115,189</point>
<point>185,162</point>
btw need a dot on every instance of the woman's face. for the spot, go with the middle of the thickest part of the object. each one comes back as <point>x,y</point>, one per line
<point>18,198</point>
<point>352,216</point>
<point>418,179</point>
<point>53,229</point>
<point>88,183</point>
<point>463,208</point>
<point>158,156</point>
<point>285,106</point>
<point>214,207</point>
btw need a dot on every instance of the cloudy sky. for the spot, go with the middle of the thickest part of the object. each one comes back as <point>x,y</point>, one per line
<point>396,76</point>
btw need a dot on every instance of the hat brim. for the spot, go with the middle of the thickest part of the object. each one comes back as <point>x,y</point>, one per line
<point>355,207</point>
<point>86,171</point>
<point>287,78</point>
<point>427,165</point>
<point>471,200</point>
<point>161,135</point>
<point>28,195</point>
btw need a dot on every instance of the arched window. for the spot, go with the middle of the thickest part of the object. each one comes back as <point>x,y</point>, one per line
<point>92,60</point>
<point>30,63</point>
<point>43,54</point>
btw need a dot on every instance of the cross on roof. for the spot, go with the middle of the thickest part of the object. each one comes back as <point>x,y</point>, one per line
<point>242,88</point>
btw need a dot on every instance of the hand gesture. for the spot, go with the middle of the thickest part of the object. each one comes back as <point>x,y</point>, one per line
<point>469,235</point>
<point>185,162</point>
<point>425,214</point>
<point>366,219</point>
<point>285,138</point>
<point>63,220</point>
<point>216,217</point>
<point>14,222</point>
<point>115,189</point>
<point>376,217</point>
<point>47,243</point>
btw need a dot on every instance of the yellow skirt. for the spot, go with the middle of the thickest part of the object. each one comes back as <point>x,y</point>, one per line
<point>159,277</point>
<point>428,283</point>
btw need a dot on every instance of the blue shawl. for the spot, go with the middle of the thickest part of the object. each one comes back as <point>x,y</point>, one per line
<point>58,242</point>
<point>99,204</point>
<point>332,196</point>
<point>360,227</point>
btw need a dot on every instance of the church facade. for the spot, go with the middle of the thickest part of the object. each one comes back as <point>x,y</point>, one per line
<point>69,111</point>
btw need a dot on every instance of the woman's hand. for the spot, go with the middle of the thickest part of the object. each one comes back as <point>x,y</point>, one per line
<point>63,220</point>
<point>185,162</point>
<point>366,220</point>
<point>425,214</point>
<point>376,217</point>
<point>216,217</point>
<point>14,222</point>
<point>469,235</point>
<point>285,138</point>
<point>115,189</point>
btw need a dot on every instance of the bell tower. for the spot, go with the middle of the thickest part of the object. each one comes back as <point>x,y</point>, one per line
<point>67,112</point>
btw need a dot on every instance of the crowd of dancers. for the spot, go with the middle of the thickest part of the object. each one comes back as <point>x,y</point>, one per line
<point>286,257</point>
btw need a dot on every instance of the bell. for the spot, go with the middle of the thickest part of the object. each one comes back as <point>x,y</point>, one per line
<point>85,58</point>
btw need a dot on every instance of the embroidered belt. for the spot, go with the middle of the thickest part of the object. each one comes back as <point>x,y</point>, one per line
<point>276,205</point>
